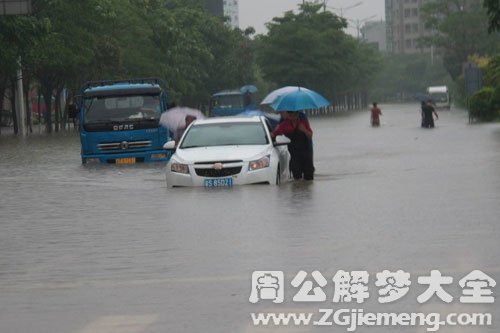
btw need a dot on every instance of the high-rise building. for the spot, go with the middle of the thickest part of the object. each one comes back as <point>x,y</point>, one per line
<point>215,7</point>
<point>374,33</point>
<point>405,24</point>
<point>15,7</point>
<point>225,8</point>
<point>231,11</point>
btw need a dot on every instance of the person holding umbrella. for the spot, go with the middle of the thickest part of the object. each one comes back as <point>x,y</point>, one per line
<point>292,102</point>
<point>300,133</point>
<point>177,120</point>
<point>427,114</point>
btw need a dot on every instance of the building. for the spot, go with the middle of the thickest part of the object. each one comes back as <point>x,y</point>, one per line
<point>225,8</point>
<point>215,7</point>
<point>15,7</point>
<point>405,24</point>
<point>231,11</point>
<point>374,33</point>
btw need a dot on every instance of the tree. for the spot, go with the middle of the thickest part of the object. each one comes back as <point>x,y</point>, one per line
<point>493,8</point>
<point>198,53</point>
<point>404,75</point>
<point>18,35</point>
<point>67,42</point>
<point>61,54</point>
<point>310,49</point>
<point>461,31</point>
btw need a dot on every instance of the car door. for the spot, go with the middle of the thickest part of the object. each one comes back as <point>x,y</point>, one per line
<point>281,151</point>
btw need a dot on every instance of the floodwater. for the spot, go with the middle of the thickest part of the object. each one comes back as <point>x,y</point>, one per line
<point>94,249</point>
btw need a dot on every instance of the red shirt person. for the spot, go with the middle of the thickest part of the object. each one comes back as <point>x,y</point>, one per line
<point>376,113</point>
<point>301,155</point>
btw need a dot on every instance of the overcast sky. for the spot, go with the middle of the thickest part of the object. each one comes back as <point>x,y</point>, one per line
<point>256,13</point>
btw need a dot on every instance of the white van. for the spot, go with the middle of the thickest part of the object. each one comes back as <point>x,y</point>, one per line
<point>440,96</point>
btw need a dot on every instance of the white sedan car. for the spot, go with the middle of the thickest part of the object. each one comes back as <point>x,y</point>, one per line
<point>227,151</point>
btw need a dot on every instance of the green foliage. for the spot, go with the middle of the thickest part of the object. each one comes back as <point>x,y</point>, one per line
<point>461,31</point>
<point>495,100</point>
<point>310,49</point>
<point>67,42</point>
<point>492,72</point>
<point>405,75</point>
<point>485,105</point>
<point>493,8</point>
<point>480,105</point>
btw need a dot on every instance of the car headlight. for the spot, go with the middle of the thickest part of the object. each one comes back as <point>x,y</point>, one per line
<point>261,163</point>
<point>179,168</point>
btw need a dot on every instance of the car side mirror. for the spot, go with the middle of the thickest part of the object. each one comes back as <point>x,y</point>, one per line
<point>282,140</point>
<point>169,145</point>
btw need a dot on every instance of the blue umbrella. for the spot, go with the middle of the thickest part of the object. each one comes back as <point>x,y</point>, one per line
<point>273,95</point>
<point>250,88</point>
<point>298,100</point>
<point>423,97</point>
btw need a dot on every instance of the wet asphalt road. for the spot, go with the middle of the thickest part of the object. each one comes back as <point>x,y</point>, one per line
<point>111,249</point>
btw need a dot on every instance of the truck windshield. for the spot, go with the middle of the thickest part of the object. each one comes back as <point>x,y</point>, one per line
<point>439,97</point>
<point>121,108</point>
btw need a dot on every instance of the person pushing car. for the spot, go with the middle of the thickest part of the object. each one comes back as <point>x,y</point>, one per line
<point>300,133</point>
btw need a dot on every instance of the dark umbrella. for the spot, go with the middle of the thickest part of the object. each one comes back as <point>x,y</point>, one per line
<point>423,97</point>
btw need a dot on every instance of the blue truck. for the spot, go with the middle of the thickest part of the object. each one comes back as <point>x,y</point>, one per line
<point>119,121</point>
<point>232,102</point>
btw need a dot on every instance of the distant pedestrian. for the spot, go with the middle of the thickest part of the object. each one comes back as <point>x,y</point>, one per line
<point>375,115</point>
<point>427,114</point>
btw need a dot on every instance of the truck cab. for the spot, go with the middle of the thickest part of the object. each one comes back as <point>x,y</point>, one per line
<point>119,121</point>
<point>231,103</point>
<point>440,96</point>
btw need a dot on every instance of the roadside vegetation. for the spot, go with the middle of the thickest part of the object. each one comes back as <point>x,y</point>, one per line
<point>65,43</point>
<point>484,105</point>
<point>468,33</point>
<point>463,35</point>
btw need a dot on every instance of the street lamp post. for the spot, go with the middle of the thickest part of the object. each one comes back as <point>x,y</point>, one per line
<point>358,22</point>
<point>343,9</point>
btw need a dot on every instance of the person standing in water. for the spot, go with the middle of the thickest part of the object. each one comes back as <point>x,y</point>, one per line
<point>375,115</point>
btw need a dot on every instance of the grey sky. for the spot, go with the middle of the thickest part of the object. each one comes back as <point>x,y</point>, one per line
<point>256,13</point>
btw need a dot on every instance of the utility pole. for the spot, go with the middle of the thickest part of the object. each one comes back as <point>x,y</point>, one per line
<point>18,7</point>
<point>21,114</point>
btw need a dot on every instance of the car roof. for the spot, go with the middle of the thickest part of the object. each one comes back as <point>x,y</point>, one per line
<point>226,120</point>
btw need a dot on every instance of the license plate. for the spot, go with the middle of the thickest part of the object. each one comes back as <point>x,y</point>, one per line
<point>219,182</point>
<point>125,160</point>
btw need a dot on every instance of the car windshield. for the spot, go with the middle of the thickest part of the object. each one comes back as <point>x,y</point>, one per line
<point>225,134</point>
<point>122,108</point>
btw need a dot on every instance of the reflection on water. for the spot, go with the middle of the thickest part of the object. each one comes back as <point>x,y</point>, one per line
<point>392,197</point>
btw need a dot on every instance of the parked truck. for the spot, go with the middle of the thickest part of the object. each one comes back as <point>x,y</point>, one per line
<point>232,102</point>
<point>440,96</point>
<point>119,121</point>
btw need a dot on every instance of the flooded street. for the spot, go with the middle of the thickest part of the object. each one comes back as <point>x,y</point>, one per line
<point>111,249</point>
